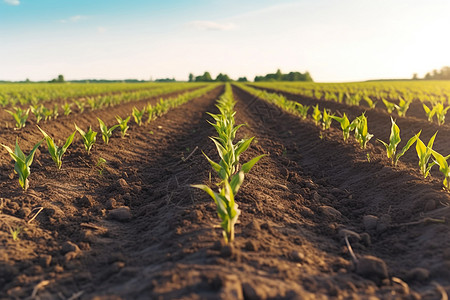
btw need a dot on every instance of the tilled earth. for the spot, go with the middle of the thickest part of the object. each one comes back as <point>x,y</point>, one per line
<point>139,231</point>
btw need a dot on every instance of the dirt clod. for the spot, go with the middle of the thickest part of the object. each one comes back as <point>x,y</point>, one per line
<point>85,201</point>
<point>297,256</point>
<point>372,268</point>
<point>122,214</point>
<point>370,222</point>
<point>330,212</point>
<point>419,274</point>
<point>69,247</point>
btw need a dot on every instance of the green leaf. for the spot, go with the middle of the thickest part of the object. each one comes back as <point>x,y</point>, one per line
<point>249,165</point>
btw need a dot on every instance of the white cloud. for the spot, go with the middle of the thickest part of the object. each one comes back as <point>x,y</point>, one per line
<point>101,29</point>
<point>12,2</point>
<point>210,25</point>
<point>72,19</point>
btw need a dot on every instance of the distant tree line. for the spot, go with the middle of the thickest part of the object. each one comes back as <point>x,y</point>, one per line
<point>291,76</point>
<point>443,74</point>
<point>206,77</point>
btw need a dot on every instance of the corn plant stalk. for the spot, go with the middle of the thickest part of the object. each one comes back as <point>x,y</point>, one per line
<point>88,138</point>
<point>57,152</point>
<point>362,134</point>
<point>345,125</point>
<point>389,105</point>
<point>106,132</point>
<point>424,154</point>
<point>137,115</point>
<point>317,115</point>
<point>22,163</point>
<point>441,161</point>
<point>20,116</point>
<point>123,125</point>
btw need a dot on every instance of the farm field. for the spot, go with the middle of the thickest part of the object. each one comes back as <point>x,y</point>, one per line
<point>320,217</point>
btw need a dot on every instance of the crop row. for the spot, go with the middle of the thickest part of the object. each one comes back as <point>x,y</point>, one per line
<point>231,173</point>
<point>42,112</point>
<point>13,94</point>
<point>393,97</point>
<point>22,162</point>
<point>361,133</point>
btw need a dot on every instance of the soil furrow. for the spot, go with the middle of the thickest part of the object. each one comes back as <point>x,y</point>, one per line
<point>344,180</point>
<point>380,125</point>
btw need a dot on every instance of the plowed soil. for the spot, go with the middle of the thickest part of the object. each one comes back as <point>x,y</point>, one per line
<point>139,231</point>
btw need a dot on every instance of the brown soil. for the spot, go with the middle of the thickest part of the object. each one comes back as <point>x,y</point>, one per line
<point>140,232</point>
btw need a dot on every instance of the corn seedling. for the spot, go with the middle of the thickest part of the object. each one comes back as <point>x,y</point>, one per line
<point>123,125</point>
<point>389,105</point>
<point>424,154</point>
<point>55,113</point>
<point>429,112</point>
<point>345,125</point>
<point>106,132</point>
<point>22,163</point>
<point>80,105</point>
<point>362,134</point>
<point>89,138</point>
<point>316,115</point>
<point>15,233</point>
<point>394,140</point>
<point>440,112</point>
<point>227,169</point>
<point>20,116</point>
<point>402,107</point>
<point>302,110</point>
<point>57,152</point>
<point>227,208</point>
<point>100,165</point>
<point>38,112</point>
<point>370,102</point>
<point>137,115</point>
<point>326,119</point>
<point>67,109</point>
<point>441,161</point>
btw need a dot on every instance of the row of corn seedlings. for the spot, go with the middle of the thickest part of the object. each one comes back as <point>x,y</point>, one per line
<point>360,128</point>
<point>23,162</point>
<point>395,99</point>
<point>41,112</point>
<point>231,173</point>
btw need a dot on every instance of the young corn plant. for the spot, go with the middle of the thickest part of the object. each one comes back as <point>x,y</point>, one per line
<point>66,107</point>
<point>441,161</point>
<point>38,112</point>
<point>402,107</point>
<point>362,134</point>
<point>345,125</point>
<point>89,138</point>
<point>80,105</point>
<point>370,102</point>
<point>430,112</point>
<point>123,125</point>
<point>424,154</point>
<point>20,116</point>
<point>316,115</point>
<point>394,140</point>
<point>57,152</point>
<point>440,112</point>
<point>106,132</point>
<point>22,163</point>
<point>228,169</point>
<point>302,110</point>
<point>389,105</point>
<point>137,115</point>
<point>327,118</point>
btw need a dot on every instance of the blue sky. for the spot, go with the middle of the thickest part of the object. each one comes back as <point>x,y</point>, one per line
<point>345,40</point>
